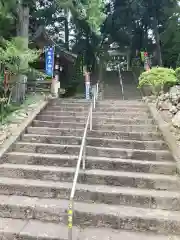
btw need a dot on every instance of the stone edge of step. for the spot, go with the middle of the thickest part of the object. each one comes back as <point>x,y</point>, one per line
<point>25,183</point>
<point>115,149</point>
<point>37,122</point>
<point>105,139</point>
<point>60,206</point>
<point>89,172</point>
<point>34,230</point>
<point>100,118</point>
<point>69,157</point>
<point>164,128</point>
<point>99,131</point>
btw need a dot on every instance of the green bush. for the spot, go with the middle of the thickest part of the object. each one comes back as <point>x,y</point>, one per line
<point>177,72</point>
<point>158,78</point>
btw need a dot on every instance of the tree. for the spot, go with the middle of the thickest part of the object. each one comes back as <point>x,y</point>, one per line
<point>130,22</point>
<point>170,39</point>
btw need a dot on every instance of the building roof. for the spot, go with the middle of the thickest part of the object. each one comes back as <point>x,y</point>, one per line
<point>42,39</point>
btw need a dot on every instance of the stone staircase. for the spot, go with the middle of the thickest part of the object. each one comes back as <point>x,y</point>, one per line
<point>131,92</point>
<point>112,88</point>
<point>130,189</point>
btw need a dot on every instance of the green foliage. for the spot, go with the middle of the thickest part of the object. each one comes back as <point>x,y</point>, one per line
<point>128,23</point>
<point>177,72</point>
<point>7,19</point>
<point>91,11</point>
<point>14,58</point>
<point>170,40</point>
<point>5,96</point>
<point>13,55</point>
<point>157,79</point>
<point>95,14</point>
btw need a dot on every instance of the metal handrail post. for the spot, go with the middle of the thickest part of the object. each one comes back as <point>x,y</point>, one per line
<point>90,124</point>
<point>121,82</point>
<point>94,100</point>
<point>84,157</point>
<point>70,219</point>
<point>97,90</point>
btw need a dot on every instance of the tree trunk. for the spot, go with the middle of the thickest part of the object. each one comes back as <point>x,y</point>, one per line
<point>18,94</point>
<point>66,28</point>
<point>158,46</point>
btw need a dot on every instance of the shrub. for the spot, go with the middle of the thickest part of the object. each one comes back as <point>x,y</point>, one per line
<point>177,72</point>
<point>157,78</point>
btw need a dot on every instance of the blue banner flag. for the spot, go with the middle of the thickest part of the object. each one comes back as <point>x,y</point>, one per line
<point>49,59</point>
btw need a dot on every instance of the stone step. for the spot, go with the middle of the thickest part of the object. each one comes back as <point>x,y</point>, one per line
<point>140,115</point>
<point>70,109</point>
<point>108,234</point>
<point>100,120</point>
<point>128,114</point>
<point>124,109</point>
<point>124,153</point>
<point>144,136</point>
<point>103,142</point>
<point>34,229</point>
<point>76,125</point>
<point>100,105</point>
<point>107,108</point>
<point>101,102</point>
<point>91,215</point>
<point>11,229</point>
<point>96,126</point>
<point>64,102</point>
<point>94,176</point>
<point>158,167</point>
<point>68,101</point>
<point>136,197</point>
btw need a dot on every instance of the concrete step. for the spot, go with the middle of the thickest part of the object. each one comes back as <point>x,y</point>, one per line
<point>68,101</point>
<point>111,103</point>
<point>11,229</point>
<point>65,113</point>
<point>104,102</point>
<point>96,126</point>
<point>94,176</point>
<point>93,151</point>
<point>136,114</point>
<point>38,123</point>
<point>144,136</point>
<point>159,167</point>
<point>139,115</point>
<point>124,109</point>
<point>69,104</point>
<point>34,229</point>
<point>101,108</point>
<point>103,142</point>
<point>60,109</point>
<point>108,234</point>
<point>136,197</point>
<point>92,215</point>
<point>101,105</point>
<point>100,120</point>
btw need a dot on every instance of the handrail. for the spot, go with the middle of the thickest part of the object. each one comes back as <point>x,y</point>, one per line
<point>81,158</point>
<point>121,82</point>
